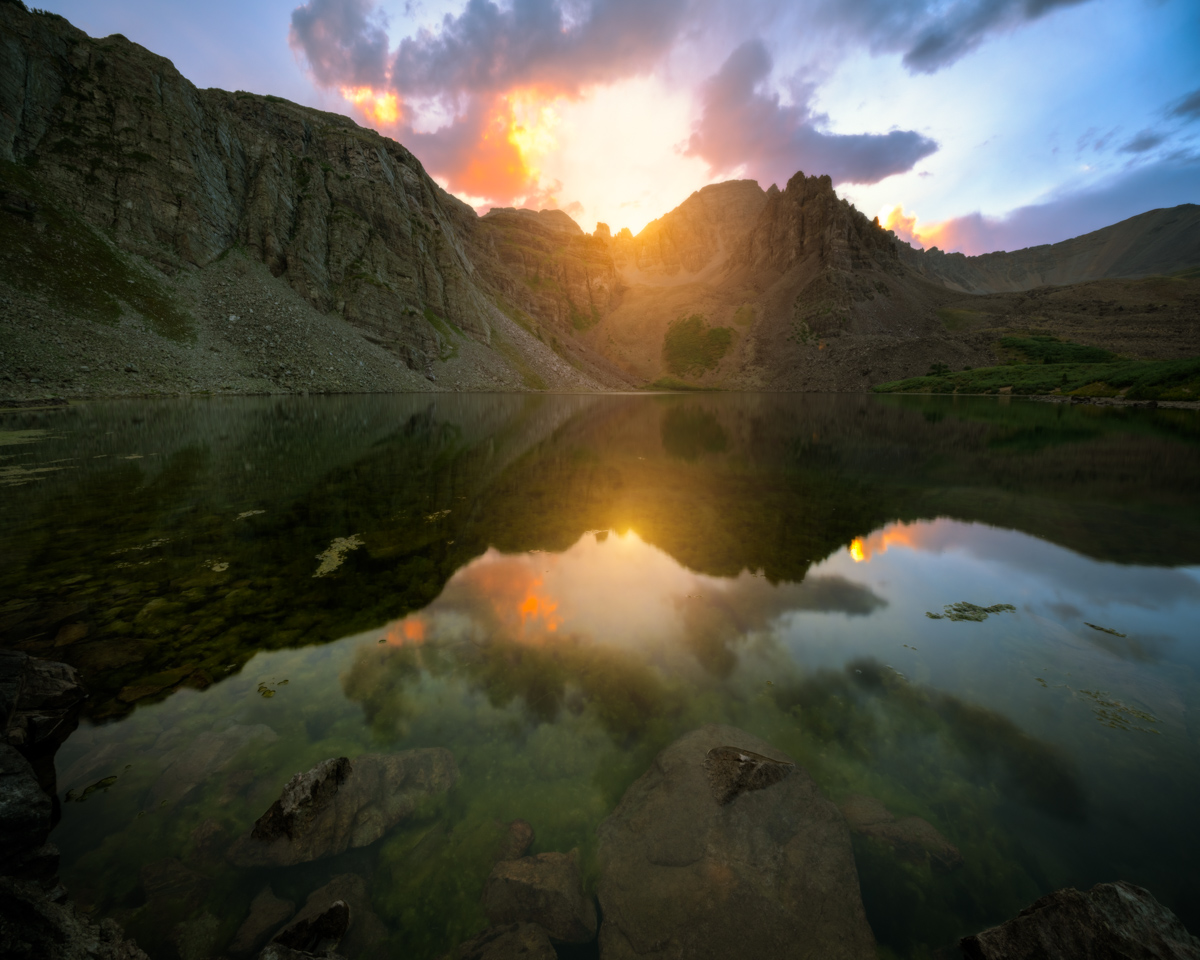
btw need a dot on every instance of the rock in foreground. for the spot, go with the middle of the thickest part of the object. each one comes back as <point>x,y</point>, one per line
<point>910,838</point>
<point>545,889</point>
<point>340,804</point>
<point>1112,921</point>
<point>770,873</point>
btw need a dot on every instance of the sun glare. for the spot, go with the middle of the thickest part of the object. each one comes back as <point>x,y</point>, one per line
<point>380,108</point>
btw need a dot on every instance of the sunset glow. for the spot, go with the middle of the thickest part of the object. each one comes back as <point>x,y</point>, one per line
<point>378,109</point>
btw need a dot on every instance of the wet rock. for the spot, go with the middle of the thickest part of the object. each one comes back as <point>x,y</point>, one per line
<point>33,926</point>
<point>731,772</point>
<point>319,932</point>
<point>768,874</point>
<point>192,764</point>
<point>545,889</point>
<point>518,838</point>
<point>39,702</point>
<point>341,804</point>
<point>267,913</point>
<point>513,941</point>
<point>910,838</point>
<point>25,808</point>
<point>364,937</point>
<point>1112,921</point>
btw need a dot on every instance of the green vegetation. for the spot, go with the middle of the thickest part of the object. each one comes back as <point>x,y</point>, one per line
<point>1047,349</point>
<point>529,376</point>
<point>51,253</point>
<point>1132,379</point>
<point>583,321</point>
<point>744,316</point>
<point>448,330</point>
<point>691,346</point>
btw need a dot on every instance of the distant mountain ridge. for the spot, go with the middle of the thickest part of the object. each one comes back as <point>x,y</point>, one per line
<point>1161,241</point>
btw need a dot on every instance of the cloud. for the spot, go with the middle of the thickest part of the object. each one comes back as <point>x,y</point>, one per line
<point>482,69</point>
<point>1144,141</point>
<point>344,42</point>
<point>1166,183</point>
<point>930,35</point>
<point>743,126</point>
<point>1188,107</point>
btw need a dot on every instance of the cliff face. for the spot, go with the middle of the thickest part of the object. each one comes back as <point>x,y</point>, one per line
<point>699,234</point>
<point>178,176</point>
<point>1156,242</point>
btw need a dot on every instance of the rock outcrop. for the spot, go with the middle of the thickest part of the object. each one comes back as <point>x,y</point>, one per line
<point>1112,921</point>
<point>910,838</point>
<point>340,804</point>
<point>768,874</point>
<point>337,915</point>
<point>545,889</point>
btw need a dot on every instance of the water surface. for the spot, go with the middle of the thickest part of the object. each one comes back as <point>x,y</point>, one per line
<point>554,588</point>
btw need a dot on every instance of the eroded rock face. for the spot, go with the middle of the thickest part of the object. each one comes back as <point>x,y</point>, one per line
<point>546,889</point>
<point>910,838</point>
<point>341,804</point>
<point>768,874</point>
<point>1112,921</point>
<point>514,941</point>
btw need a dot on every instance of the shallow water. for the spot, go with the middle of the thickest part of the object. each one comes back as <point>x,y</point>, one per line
<point>554,588</point>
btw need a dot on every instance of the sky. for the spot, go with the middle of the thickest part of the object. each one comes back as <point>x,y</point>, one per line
<point>971,125</point>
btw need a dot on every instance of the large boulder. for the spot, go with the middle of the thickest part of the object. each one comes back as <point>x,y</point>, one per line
<point>725,848</point>
<point>340,804</point>
<point>1112,921</point>
<point>24,807</point>
<point>546,889</point>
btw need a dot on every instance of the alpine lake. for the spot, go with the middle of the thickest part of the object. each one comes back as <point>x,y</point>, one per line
<point>983,613</point>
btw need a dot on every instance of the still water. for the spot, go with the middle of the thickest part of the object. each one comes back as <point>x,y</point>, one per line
<point>555,588</point>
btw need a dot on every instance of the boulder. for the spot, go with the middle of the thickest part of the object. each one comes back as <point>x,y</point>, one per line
<point>546,889</point>
<point>910,838</point>
<point>267,913</point>
<point>769,872</point>
<point>340,804</point>
<point>39,700</point>
<point>25,809</point>
<point>1112,921</point>
<point>513,941</point>
<point>33,926</point>
<point>364,935</point>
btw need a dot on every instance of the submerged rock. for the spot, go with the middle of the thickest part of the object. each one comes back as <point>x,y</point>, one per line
<point>1112,921</point>
<point>340,804</point>
<point>267,913</point>
<point>769,873</point>
<point>211,752</point>
<point>364,935</point>
<point>910,838</point>
<point>513,941</point>
<point>518,838</point>
<point>546,889</point>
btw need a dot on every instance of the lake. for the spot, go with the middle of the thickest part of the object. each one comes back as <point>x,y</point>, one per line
<point>983,614</point>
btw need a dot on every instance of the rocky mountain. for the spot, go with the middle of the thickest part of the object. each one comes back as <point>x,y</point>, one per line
<point>306,252</point>
<point>1156,242</point>
<point>157,238</point>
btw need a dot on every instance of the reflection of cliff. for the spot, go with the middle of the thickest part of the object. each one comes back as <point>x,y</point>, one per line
<point>167,574</point>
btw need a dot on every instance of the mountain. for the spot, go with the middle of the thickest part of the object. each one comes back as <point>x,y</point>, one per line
<point>1156,242</point>
<point>156,238</point>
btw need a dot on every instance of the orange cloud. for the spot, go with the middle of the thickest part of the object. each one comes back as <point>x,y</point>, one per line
<point>942,235</point>
<point>380,108</point>
<point>409,632</point>
<point>914,535</point>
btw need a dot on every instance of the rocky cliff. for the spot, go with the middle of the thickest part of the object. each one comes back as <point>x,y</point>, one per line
<point>117,163</point>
